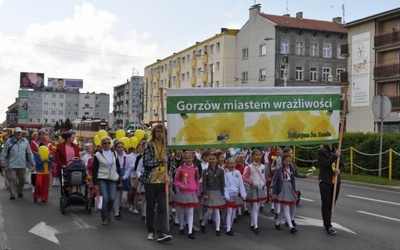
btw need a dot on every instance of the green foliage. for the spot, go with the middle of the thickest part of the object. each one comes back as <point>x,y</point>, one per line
<point>57,126</point>
<point>67,124</point>
<point>365,154</point>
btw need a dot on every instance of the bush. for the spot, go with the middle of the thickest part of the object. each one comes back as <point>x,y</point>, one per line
<point>365,153</point>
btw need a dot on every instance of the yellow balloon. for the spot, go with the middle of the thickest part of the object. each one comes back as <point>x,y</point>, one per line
<point>134,141</point>
<point>102,133</point>
<point>139,133</point>
<point>126,142</point>
<point>44,152</point>
<point>120,133</point>
<point>96,140</point>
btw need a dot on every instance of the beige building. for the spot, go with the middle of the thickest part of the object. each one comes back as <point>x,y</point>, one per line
<point>210,63</point>
<point>373,51</point>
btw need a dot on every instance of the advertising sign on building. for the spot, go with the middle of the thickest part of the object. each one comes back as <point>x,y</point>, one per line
<point>360,70</point>
<point>252,117</point>
<point>23,101</point>
<point>31,80</point>
<point>65,83</point>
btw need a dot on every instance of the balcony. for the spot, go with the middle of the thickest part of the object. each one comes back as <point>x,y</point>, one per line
<point>193,80</point>
<point>158,75</point>
<point>344,50</point>
<point>387,70</point>
<point>395,99</point>
<point>194,63</point>
<point>387,38</point>
<point>178,69</point>
<point>204,77</point>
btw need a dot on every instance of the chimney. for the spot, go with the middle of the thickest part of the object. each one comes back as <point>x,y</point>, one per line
<point>223,30</point>
<point>286,15</point>
<point>299,15</point>
<point>255,11</point>
<point>337,19</point>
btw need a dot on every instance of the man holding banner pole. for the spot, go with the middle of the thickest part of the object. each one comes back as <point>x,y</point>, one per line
<point>328,178</point>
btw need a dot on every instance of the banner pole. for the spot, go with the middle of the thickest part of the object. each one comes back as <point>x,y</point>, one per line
<point>341,131</point>
<point>166,167</point>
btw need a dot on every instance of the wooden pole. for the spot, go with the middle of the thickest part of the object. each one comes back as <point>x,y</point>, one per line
<point>165,146</point>
<point>341,131</point>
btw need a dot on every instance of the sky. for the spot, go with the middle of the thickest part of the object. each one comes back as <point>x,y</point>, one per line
<point>105,42</point>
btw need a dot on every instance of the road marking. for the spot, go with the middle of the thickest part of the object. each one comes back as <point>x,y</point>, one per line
<point>380,216</point>
<point>49,232</point>
<point>305,199</point>
<point>370,199</point>
<point>305,221</point>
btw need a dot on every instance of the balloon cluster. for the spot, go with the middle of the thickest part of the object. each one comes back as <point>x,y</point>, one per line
<point>120,135</point>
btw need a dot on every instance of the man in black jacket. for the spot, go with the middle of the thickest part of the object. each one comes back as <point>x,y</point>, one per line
<point>327,160</point>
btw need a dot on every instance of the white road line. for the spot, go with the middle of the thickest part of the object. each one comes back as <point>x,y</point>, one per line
<point>380,216</point>
<point>305,199</point>
<point>370,199</point>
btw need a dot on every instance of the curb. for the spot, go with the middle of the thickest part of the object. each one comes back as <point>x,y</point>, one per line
<point>375,186</point>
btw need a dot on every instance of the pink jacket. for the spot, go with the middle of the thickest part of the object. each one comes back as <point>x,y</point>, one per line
<point>187,179</point>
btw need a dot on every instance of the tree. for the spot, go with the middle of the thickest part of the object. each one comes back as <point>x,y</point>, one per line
<point>67,124</point>
<point>62,125</point>
<point>57,126</point>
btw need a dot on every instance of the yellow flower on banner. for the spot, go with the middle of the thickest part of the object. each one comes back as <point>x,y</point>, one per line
<point>229,127</point>
<point>319,124</point>
<point>286,124</point>
<point>196,131</point>
<point>212,197</point>
<point>260,131</point>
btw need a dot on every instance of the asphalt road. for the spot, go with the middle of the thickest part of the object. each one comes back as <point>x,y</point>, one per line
<point>365,218</point>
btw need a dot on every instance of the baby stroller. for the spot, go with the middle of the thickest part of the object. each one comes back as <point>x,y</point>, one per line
<point>73,180</point>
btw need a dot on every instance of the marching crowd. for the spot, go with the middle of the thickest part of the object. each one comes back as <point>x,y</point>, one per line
<point>217,185</point>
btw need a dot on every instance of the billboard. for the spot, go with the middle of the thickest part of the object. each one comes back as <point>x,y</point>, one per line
<point>65,83</point>
<point>252,117</point>
<point>23,99</point>
<point>30,80</point>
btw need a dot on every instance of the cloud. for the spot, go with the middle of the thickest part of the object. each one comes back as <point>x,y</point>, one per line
<point>81,46</point>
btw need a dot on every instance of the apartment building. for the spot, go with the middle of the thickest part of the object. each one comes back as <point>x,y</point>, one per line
<point>128,103</point>
<point>210,63</point>
<point>373,51</point>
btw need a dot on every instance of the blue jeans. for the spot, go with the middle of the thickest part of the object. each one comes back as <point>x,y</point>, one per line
<point>155,194</point>
<point>108,190</point>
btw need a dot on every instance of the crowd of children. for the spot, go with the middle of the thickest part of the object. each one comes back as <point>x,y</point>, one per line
<point>216,184</point>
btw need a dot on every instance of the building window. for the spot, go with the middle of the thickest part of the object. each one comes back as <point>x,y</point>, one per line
<point>245,53</point>
<point>299,48</point>
<point>314,49</point>
<point>299,73</point>
<point>263,74</point>
<point>61,96</point>
<point>245,77</point>
<point>217,47</point>
<point>38,120</point>
<point>61,104</point>
<point>339,52</point>
<point>53,96</point>
<point>53,112</point>
<point>327,50</point>
<point>45,112</point>
<point>46,96</point>
<point>338,71</point>
<point>53,121</point>
<point>284,47</point>
<point>29,119</point>
<point>263,49</point>
<point>313,74</point>
<point>61,112</point>
<point>183,76</point>
<point>326,73</point>
<point>217,66</point>
<point>39,95</point>
<point>212,49</point>
<point>53,104</point>
<point>87,97</point>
